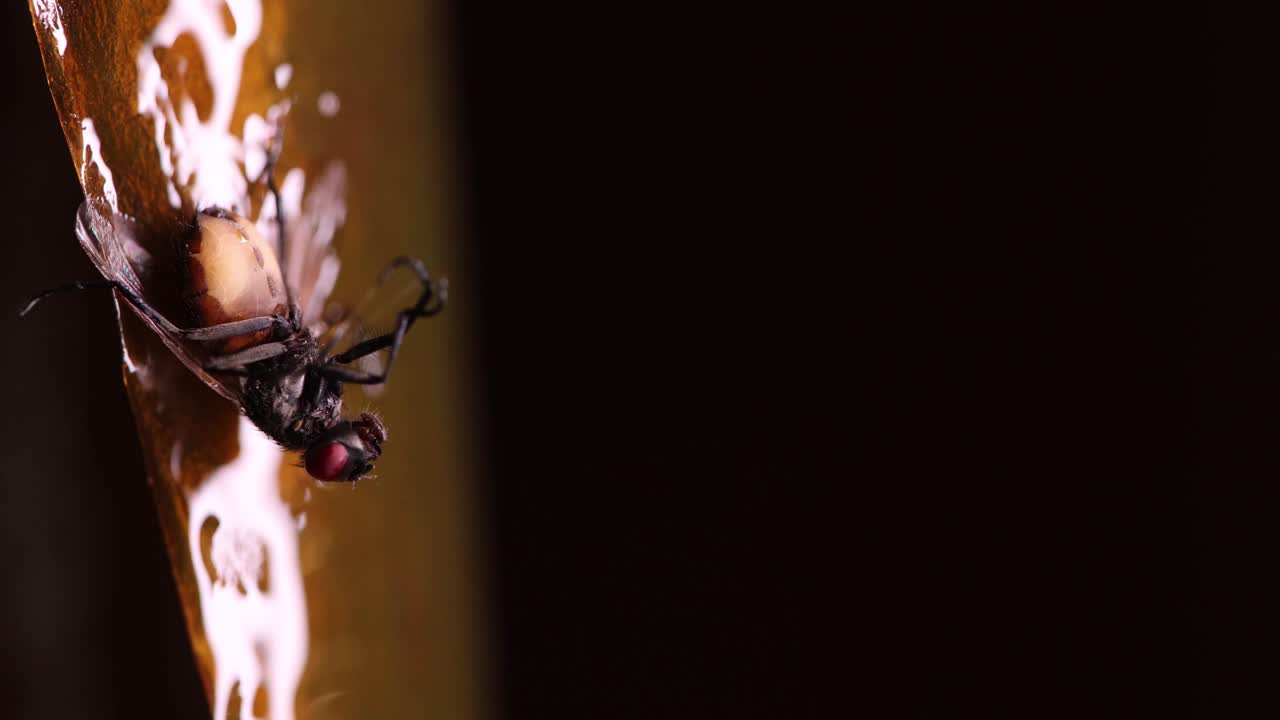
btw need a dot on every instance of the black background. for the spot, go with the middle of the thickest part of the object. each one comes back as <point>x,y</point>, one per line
<point>914,358</point>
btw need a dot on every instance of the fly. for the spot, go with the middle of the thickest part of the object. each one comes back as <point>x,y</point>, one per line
<point>249,337</point>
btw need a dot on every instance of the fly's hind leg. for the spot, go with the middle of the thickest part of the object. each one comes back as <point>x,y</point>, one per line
<point>236,328</point>
<point>238,363</point>
<point>203,334</point>
<point>69,287</point>
<point>128,294</point>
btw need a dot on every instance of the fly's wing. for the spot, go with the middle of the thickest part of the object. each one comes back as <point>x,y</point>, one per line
<point>111,244</point>
<point>376,313</point>
<point>311,267</point>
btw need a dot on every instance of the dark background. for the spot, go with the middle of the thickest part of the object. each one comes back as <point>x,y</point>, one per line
<point>918,358</point>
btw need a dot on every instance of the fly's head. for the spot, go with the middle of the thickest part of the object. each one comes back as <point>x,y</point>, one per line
<point>347,451</point>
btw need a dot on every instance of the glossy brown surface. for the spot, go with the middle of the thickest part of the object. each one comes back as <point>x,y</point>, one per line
<point>389,591</point>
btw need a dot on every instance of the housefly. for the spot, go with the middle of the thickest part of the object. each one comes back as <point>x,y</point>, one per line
<point>256,330</point>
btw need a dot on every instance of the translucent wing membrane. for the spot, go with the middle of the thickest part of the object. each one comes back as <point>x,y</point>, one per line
<point>112,245</point>
<point>311,266</point>
<point>343,326</point>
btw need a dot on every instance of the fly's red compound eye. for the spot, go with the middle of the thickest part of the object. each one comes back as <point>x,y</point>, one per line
<point>327,461</point>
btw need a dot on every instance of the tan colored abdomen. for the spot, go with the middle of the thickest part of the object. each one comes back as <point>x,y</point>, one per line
<point>234,275</point>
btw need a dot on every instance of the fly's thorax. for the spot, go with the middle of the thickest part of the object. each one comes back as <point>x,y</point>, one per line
<point>232,274</point>
<point>289,400</point>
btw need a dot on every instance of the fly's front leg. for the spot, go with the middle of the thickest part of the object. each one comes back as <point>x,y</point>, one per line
<point>282,238</point>
<point>432,300</point>
<point>391,340</point>
<point>434,295</point>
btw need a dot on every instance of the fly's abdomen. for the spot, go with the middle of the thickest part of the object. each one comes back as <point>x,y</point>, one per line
<point>233,275</point>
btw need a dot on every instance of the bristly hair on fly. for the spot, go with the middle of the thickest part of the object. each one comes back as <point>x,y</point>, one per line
<point>257,336</point>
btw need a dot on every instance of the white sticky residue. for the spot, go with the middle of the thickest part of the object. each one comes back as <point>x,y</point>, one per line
<point>92,152</point>
<point>209,146</point>
<point>256,136</point>
<point>134,368</point>
<point>328,104</point>
<point>257,638</point>
<point>236,554</point>
<point>284,73</point>
<point>51,15</point>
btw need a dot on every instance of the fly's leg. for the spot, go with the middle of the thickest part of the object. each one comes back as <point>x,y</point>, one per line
<point>272,157</point>
<point>282,239</point>
<point>204,334</point>
<point>237,363</point>
<point>69,287</point>
<point>128,294</point>
<point>431,302</point>
<point>313,389</point>
<point>391,340</point>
